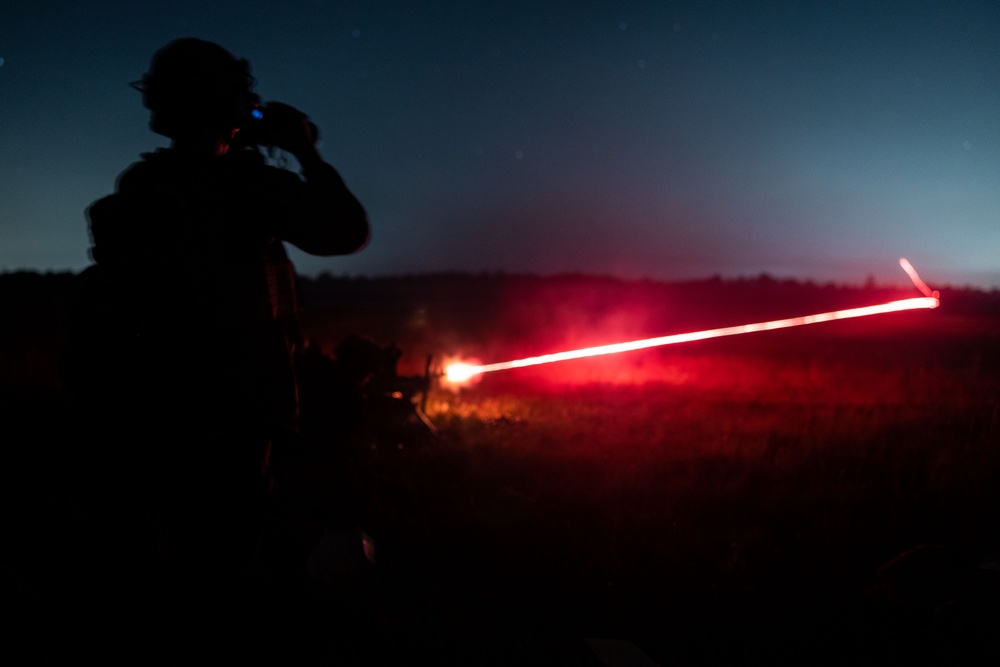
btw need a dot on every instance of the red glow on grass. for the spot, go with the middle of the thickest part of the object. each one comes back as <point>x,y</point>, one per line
<point>464,371</point>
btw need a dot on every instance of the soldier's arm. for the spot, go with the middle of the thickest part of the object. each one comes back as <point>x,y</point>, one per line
<point>322,216</point>
<point>329,219</point>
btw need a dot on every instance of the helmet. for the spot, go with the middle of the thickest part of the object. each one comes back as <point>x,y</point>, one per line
<point>196,87</point>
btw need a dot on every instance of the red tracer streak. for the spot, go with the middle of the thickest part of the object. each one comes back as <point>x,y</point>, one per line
<point>460,372</point>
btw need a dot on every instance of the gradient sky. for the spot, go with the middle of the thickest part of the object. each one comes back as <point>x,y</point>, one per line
<point>664,140</point>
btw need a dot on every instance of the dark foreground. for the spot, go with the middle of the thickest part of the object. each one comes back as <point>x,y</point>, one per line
<point>822,496</point>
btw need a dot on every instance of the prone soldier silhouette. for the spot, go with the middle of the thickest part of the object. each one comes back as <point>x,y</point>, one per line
<point>197,384</point>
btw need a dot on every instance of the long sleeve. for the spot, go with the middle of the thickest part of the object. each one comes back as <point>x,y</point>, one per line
<point>317,213</point>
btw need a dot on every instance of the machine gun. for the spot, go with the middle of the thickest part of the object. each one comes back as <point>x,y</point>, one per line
<point>359,398</point>
<point>396,404</point>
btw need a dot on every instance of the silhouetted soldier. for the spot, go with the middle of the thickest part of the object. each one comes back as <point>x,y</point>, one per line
<point>199,385</point>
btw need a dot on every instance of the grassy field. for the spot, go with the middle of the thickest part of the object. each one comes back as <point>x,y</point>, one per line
<point>720,502</point>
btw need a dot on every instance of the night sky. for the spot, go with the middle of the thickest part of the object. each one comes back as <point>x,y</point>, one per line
<point>665,140</point>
